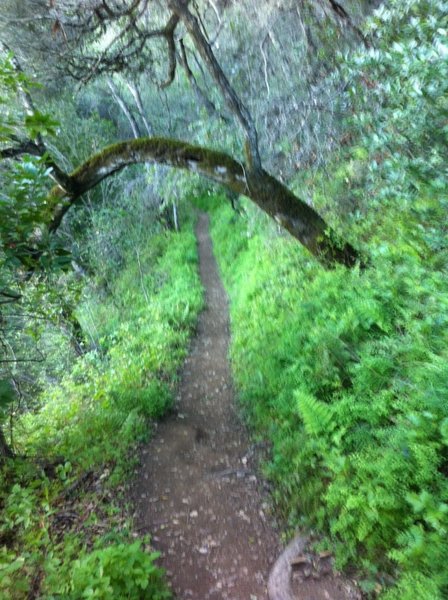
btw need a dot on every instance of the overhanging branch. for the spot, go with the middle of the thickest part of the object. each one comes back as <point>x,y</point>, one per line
<point>172,63</point>
<point>292,213</point>
<point>36,147</point>
<point>25,147</point>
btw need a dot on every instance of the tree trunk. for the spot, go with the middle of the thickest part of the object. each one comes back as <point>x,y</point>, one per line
<point>141,111</point>
<point>122,104</point>
<point>5,449</point>
<point>76,334</point>
<point>199,93</point>
<point>176,224</point>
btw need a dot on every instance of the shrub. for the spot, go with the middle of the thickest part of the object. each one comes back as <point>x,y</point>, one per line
<point>119,571</point>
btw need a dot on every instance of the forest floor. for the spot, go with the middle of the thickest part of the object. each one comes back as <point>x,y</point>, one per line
<point>198,491</point>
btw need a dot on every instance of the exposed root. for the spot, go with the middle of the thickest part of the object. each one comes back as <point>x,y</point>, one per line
<point>279,584</point>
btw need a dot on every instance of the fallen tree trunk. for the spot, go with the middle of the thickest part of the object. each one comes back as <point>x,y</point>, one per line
<point>274,198</point>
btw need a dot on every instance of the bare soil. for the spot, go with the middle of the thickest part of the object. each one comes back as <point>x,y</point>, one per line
<point>198,492</point>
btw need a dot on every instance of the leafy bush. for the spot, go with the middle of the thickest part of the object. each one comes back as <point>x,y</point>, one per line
<point>95,417</point>
<point>141,343</point>
<point>119,571</point>
<point>346,373</point>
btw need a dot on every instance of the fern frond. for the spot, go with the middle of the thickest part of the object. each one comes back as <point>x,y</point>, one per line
<point>316,415</point>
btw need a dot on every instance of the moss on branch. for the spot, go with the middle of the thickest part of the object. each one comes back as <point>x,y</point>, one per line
<point>216,165</point>
<point>295,215</point>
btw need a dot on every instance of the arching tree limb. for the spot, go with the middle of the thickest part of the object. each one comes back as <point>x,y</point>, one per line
<point>274,198</point>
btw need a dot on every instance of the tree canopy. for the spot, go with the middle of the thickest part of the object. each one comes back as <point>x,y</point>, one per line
<point>117,38</point>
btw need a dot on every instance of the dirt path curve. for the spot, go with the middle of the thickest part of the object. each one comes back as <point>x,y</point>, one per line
<point>197,492</point>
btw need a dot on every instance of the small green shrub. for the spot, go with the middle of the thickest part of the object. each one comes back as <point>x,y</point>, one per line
<point>118,571</point>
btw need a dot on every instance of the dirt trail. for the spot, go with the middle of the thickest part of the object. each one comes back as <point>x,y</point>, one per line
<point>197,493</point>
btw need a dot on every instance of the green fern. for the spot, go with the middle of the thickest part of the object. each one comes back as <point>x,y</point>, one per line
<point>316,416</point>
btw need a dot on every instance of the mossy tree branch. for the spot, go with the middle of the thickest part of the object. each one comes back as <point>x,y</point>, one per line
<point>302,221</point>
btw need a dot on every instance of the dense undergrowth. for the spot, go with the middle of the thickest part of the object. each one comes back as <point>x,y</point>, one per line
<point>346,371</point>
<point>64,532</point>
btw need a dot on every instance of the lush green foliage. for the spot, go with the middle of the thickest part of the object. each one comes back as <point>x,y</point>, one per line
<point>94,418</point>
<point>23,205</point>
<point>71,420</point>
<point>141,330</point>
<point>346,372</point>
<point>23,209</point>
<point>118,571</point>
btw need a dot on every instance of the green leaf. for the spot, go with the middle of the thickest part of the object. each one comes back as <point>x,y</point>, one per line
<point>39,123</point>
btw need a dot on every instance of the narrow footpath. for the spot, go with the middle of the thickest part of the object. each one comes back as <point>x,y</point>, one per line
<point>198,494</point>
